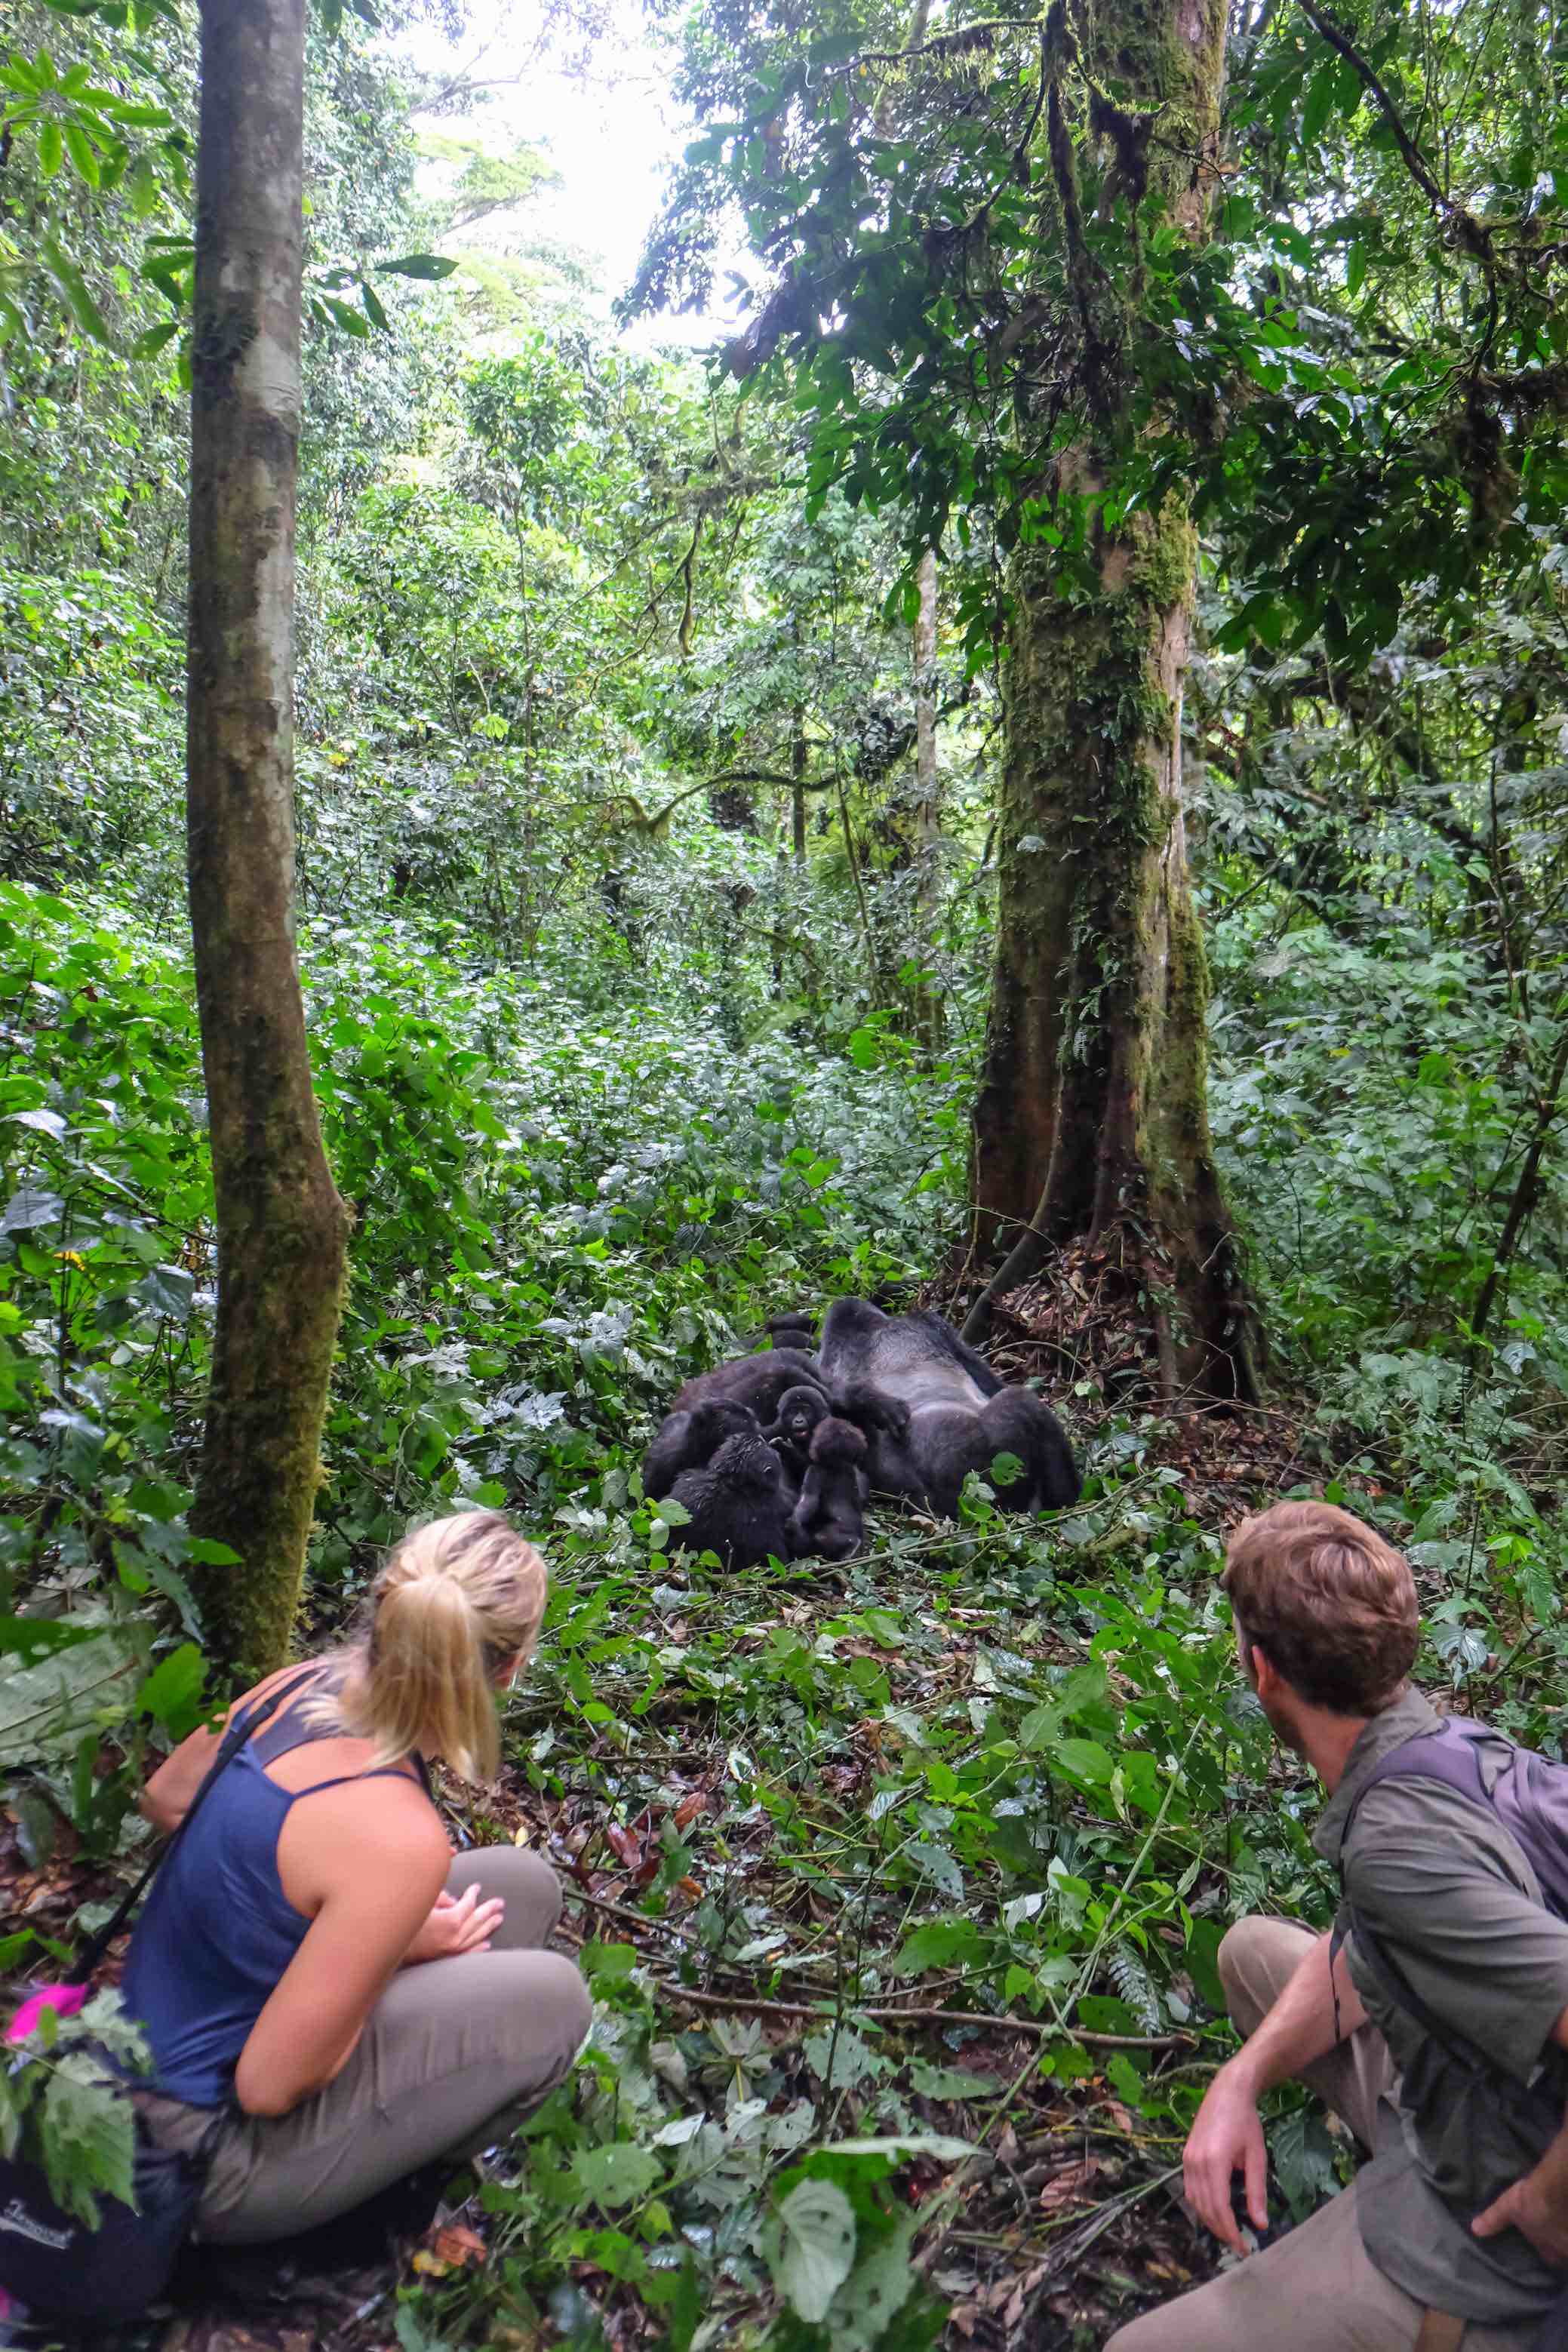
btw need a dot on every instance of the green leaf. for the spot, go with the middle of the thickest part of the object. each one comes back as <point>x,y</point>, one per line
<point>30,1207</point>
<point>612,1962</point>
<point>352,321</point>
<point>147,346</point>
<point>144,189</point>
<point>82,153</point>
<point>79,301</point>
<point>51,147</point>
<point>876,2291</point>
<point>1356,267</point>
<point>949,2081</point>
<point>135,118</point>
<point>87,2135</point>
<point>208,1552</point>
<point>1319,102</point>
<point>811,2247</point>
<point>615,2175</point>
<point>1084,1759</point>
<point>374,310</point>
<point>936,1945</point>
<point>45,1707</point>
<point>35,1637</point>
<point>417,264</point>
<point>172,1690</point>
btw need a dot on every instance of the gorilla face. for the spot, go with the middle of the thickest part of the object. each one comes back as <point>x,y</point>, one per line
<point>800,1411</point>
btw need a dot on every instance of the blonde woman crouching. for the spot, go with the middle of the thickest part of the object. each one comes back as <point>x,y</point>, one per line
<point>312,1962</point>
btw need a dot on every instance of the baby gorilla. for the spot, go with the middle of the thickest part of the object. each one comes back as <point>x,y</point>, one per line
<point>830,1518</point>
<point>685,1441</point>
<point>737,1505</point>
<point>800,1411</point>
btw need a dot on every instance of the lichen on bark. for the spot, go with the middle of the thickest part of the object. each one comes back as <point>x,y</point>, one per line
<point>1091,1116</point>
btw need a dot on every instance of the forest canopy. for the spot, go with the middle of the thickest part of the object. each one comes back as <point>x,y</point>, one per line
<point>984,728</point>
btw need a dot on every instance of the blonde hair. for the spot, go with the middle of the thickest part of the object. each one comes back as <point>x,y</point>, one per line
<point>456,1600</point>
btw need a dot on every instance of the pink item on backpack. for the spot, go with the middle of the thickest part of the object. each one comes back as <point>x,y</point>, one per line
<point>65,1999</point>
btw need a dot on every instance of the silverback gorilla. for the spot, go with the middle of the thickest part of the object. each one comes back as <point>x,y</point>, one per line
<point>959,1415</point>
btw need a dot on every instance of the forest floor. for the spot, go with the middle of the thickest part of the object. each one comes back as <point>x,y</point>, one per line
<point>710,1810</point>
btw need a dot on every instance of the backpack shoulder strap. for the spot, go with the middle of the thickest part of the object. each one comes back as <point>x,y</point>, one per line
<point>1449,1754</point>
<point>242,1723</point>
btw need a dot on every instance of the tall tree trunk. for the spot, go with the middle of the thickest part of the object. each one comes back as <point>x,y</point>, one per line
<point>1091,1120</point>
<point>282,1231</point>
<point>797,784</point>
<point>928,1012</point>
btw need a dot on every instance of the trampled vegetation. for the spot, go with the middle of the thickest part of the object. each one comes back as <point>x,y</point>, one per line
<point>676,844</point>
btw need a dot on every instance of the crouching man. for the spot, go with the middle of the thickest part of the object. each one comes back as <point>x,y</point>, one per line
<point>1456,2230</point>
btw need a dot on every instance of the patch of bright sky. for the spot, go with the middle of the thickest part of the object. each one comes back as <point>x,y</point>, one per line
<point>610,130</point>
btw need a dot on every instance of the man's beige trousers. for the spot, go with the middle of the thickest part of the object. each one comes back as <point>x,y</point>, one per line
<point>1316,2290</point>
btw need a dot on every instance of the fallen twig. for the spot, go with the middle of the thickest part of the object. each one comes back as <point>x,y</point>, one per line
<point>984,2019</point>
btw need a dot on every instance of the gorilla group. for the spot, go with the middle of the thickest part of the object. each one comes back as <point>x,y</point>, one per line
<point>778,1453</point>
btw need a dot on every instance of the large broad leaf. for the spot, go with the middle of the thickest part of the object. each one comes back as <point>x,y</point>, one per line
<point>615,2175</point>
<point>172,1691</point>
<point>812,2251</point>
<point>37,1637</point>
<point>45,1709</point>
<point>86,2130</point>
<point>417,264</point>
<point>29,1208</point>
<point>877,2290</point>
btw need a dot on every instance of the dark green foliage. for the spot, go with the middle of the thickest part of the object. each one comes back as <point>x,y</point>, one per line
<point>609,1074</point>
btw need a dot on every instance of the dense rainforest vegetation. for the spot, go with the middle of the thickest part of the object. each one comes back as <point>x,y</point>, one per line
<point>1029,777</point>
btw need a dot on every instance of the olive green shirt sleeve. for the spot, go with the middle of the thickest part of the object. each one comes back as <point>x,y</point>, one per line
<point>1453,1901</point>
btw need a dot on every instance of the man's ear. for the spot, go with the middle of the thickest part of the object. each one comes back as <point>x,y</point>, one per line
<point>1267,1679</point>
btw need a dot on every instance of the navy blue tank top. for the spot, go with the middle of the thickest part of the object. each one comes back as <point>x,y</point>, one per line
<point>217,1931</point>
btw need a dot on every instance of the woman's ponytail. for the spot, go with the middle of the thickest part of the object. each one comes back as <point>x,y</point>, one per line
<point>456,1600</point>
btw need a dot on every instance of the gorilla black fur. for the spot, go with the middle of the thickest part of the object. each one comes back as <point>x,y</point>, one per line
<point>738,1503</point>
<point>756,1380</point>
<point>830,1518</point>
<point>959,1415</point>
<point>685,1441</point>
<point>796,1330</point>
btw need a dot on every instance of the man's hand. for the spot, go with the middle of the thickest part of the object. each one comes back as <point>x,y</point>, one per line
<point>1536,2211</point>
<point>1226,2136</point>
<point>458,1924</point>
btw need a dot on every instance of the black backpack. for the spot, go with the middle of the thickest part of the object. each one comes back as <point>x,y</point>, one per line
<point>53,2262</point>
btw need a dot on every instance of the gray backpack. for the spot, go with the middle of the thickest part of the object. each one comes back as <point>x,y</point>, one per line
<point>1529,1798</point>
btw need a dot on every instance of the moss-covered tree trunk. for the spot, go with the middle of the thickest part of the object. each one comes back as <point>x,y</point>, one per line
<point>1091,1120</point>
<point>282,1231</point>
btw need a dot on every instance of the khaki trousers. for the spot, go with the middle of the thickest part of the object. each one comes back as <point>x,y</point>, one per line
<point>455,2054</point>
<point>1317,2290</point>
